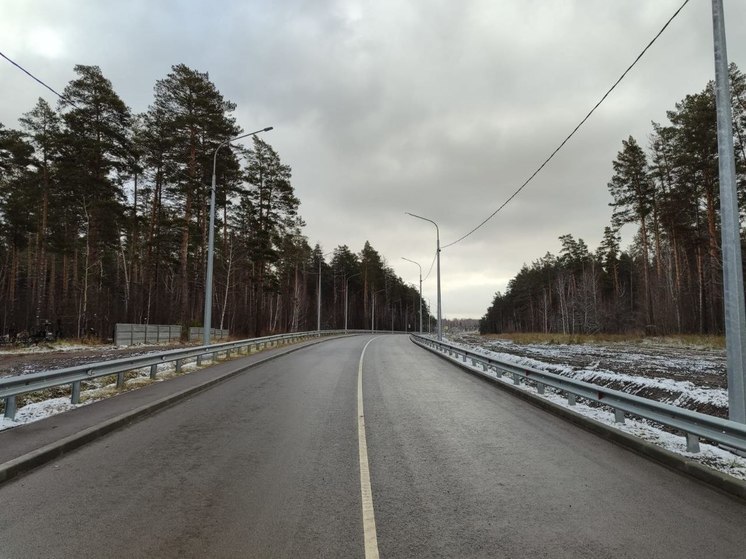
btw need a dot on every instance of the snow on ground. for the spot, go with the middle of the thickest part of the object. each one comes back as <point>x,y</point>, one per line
<point>709,455</point>
<point>97,389</point>
<point>688,377</point>
<point>38,410</point>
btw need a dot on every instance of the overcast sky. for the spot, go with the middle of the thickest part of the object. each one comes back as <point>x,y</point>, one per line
<point>437,107</point>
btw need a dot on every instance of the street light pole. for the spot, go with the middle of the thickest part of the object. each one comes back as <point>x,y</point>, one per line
<point>420,267</point>
<point>318,303</point>
<point>392,312</point>
<point>347,285</point>
<point>206,322</point>
<point>437,255</point>
<point>373,312</point>
<point>735,313</point>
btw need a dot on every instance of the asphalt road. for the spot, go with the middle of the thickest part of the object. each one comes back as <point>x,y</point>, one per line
<point>267,464</point>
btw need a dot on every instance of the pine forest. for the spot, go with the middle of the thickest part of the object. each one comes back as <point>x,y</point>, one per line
<point>669,281</point>
<point>104,218</point>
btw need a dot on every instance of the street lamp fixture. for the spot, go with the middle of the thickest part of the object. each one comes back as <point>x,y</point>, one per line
<point>206,323</point>
<point>437,254</point>
<point>347,285</point>
<point>373,311</point>
<point>318,306</point>
<point>420,267</point>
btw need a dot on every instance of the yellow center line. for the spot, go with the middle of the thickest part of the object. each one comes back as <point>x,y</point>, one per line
<point>369,518</point>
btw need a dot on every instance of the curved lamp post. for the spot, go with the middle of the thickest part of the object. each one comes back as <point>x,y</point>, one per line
<point>347,285</point>
<point>318,298</point>
<point>420,267</point>
<point>373,312</point>
<point>206,323</point>
<point>437,254</point>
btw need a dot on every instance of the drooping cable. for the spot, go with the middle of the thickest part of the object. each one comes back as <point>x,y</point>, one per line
<point>562,144</point>
<point>32,76</point>
<point>431,266</point>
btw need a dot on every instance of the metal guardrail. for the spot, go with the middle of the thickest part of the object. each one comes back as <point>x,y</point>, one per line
<point>693,424</point>
<point>11,387</point>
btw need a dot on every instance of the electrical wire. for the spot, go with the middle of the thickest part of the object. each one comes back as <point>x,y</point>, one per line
<point>22,69</point>
<point>431,266</point>
<point>548,159</point>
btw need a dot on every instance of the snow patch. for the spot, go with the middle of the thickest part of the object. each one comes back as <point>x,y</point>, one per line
<point>99,391</point>
<point>709,455</point>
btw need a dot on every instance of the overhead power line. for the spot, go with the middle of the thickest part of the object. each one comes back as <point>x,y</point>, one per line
<point>548,159</point>
<point>32,76</point>
<point>431,266</point>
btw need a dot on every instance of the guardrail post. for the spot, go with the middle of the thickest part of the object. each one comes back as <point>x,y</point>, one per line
<point>120,380</point>
<point>464,357</point>
<point>618,415</point>
<point>10,407</point>
<point>498,372</point>
<point>199,360</point>
<point>484,366</point>
<point>540,388</point>
<point>692,443</point>
<point>570,399</point>
<point>516,378</point>
<point>153,370</point>
<point>75,396</point>
<point>178,366</point>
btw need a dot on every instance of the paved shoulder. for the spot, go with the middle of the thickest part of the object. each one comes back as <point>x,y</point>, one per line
<point>89,421</point>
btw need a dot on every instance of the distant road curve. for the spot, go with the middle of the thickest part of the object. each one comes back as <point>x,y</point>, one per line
<point>267,464</point>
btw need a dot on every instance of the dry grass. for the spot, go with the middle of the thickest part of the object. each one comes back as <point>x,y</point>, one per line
<point>105,387</point>
<point>683,340</point>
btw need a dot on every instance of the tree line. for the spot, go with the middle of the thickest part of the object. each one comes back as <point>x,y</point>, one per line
<point>669,280</point>
<point>104,217</point>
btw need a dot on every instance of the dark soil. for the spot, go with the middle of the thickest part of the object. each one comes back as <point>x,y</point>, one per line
<point>12,364</point>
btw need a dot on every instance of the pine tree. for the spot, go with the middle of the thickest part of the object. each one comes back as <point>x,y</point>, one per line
<point>16,225</point>
<point>633,194</point>
<point>268,213</point>
<point>695,128</point>
<point>42,125</point>
<point>94,151</point>
<point>192,119</point>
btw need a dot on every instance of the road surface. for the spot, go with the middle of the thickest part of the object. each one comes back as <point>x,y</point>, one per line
<point>267,464</point>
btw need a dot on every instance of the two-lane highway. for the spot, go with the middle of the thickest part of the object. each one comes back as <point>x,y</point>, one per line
<point>267,464</point>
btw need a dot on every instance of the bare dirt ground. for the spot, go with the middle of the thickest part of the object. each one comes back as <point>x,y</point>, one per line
<point>688,376</point>
<point>702,366</point>
<point>43,357</point>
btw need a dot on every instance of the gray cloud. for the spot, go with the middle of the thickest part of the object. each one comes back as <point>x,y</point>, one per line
<point>437,107</point>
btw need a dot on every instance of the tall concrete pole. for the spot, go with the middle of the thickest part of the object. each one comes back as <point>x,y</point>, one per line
<point>207,318</point>
<point>347,288</point>
<point>735,316</point>
<point>420,267</point>
<point>437,255</point>
<point>318,306</point>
